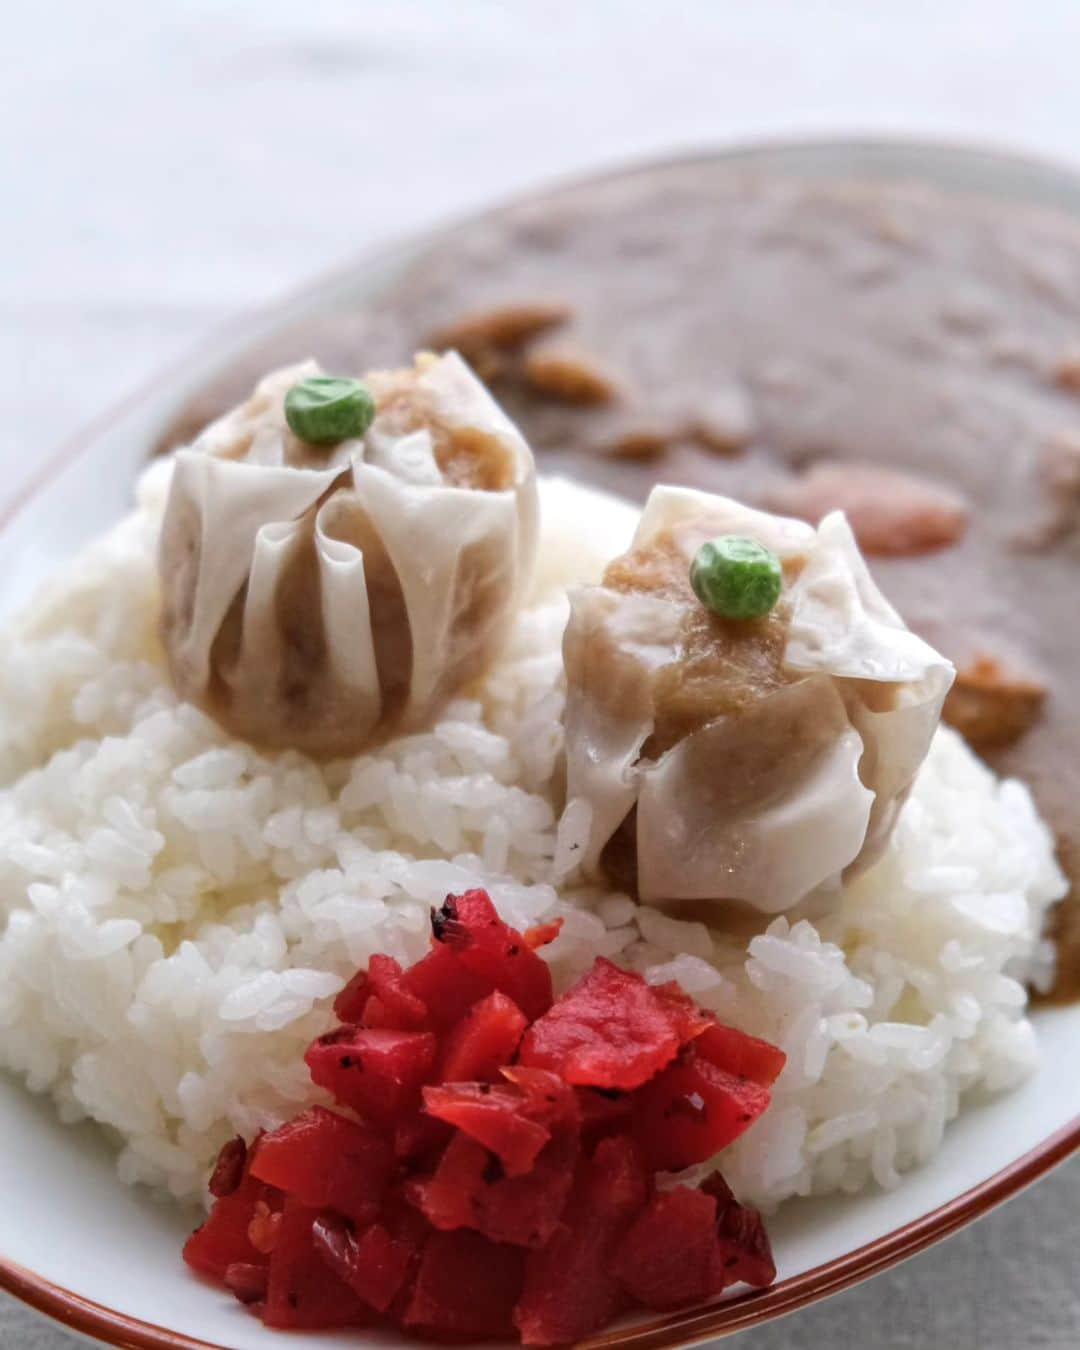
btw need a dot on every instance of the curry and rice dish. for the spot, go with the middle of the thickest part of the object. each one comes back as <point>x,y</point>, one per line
<point>492,899</point>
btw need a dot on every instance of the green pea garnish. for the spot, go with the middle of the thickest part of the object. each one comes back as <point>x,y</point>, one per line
<point>326,409</point>
<point>736,577</point>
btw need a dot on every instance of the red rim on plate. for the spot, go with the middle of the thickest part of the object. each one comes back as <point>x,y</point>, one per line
<point>94,1320</point>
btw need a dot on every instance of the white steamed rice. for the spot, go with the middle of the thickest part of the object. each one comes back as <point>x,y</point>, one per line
<point>180,909</point>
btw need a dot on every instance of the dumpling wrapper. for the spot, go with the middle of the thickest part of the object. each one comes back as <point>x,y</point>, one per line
<point>766,805</point>
<point>310,596</point>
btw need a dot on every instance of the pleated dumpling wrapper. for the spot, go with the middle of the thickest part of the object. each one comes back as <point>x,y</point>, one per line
<point>315,597</point>
<point>752,761</point>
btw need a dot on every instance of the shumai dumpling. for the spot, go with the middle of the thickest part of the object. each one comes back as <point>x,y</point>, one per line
<point>314,597</point>
<point>751,760</point>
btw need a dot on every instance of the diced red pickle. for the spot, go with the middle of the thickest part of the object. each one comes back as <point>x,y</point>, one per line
<point>482,1041</point>
<point>477,1194</point>
<point>229,1169</point>
<point>610,1031</point>
<point>320,1158</point>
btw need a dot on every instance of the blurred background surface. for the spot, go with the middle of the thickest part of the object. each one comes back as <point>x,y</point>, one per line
<point>167,166</point>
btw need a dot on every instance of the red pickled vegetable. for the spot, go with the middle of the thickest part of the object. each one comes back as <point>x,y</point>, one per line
<point>419,1138</point>
<point>247,1283</point>
<point>321,1158</point>
<point>405,1224</point>
<point>482,1041</point>
<point>546,1097</point>
<point>745,1250</point>
<point>570,1290</point>
<point>264,1227</point>
<point>470,927</point>
<point>692,1110</point>
<point>495,1116</point>
<point>446,986</point>
<point>229,1169</point>
<point>382,1265</point>
<point>350,1004</point>
<point>469,1189</point>
<point>715,1185</point>
<point>671,1257</point>
<point>383,981</point>
<point>373,1265</point>
<point>604,1111</point>
<point>466,1287</point>
<point>540,934</point>
<point>527,1210</point>
<point>610,1031</point>
<point>388,985</point>
<point>302,1292</point>
<point>377,1072</point>
<point>746,1253</point>
<point>502,1173</point>
<point>447,1197</point>
<point>223,1240</point>
<point>739,1054</point>
<point>688,1021</point>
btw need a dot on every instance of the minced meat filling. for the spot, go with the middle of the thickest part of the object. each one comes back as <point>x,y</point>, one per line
<point>468,457</point>
<point>722,665</point>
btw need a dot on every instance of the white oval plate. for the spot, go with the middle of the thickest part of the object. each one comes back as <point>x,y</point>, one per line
<point>104,1259</point>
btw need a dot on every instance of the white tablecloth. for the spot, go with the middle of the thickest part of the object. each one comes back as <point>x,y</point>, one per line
<point>166,165</point>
